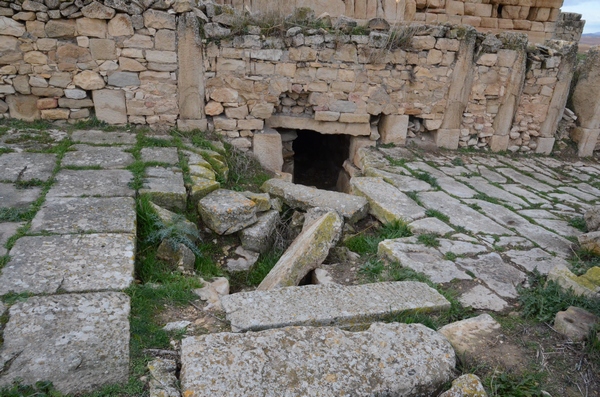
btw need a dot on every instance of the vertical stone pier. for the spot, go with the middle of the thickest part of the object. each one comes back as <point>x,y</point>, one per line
<point>586,104</point>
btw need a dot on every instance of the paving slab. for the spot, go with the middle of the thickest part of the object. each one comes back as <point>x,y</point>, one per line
<point>538,214</point>
<point>71,263</point>
<point>165,187</point>
<point>79,342</point>
<point>460,214</point>
<point>12,197</point>
<point>481,298</point>
<point>352,208</point>
<point>526,194</point>
<point>167,155</point>
<point>226,211</point>
<point>491,175</point>
<point>99,183</point>
<point>567,198</point>
<point>584,187</point>
<point>386,203</point>
<point>104,138</point>
<point>460,247</point>
<point>525,180</point>
<point>421,259</point>
<point>482,186</point>
<point>499,276</point>
<point>325,305</point>
<point>386,360</point>
<point>404,183</point>
<point>543,237</point>
<point>430,226</point>
<point>67,215</point>
<point>514,242</point>
<point>27,166</point>
<point>7,230</point>
<point>446,183</point>
<point>559,226</point>
<point>536,258</point>
<point>97,156</point>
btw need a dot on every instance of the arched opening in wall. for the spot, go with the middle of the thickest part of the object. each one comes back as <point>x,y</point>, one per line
<point>318,158</point>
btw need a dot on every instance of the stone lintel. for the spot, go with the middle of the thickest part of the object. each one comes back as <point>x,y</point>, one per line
<point>323,127</point>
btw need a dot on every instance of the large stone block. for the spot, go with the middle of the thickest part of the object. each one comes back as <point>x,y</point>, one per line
<point>10,27</point>
<point>110,106</point>
<point>586,140</point>
<point>393,129</point>
<point>159,20</point>
<point>91,27</point>
<point>61,28</point>
<point>447,138</point>
<point>23,107</point>
<point>9,50</point>
<point>226,211</point>
<point>120,25</point>
<point>97,10</point>
<point>323,127</point>
<point>103,49</point>
<point>89,80</point>
<point>268,149</point>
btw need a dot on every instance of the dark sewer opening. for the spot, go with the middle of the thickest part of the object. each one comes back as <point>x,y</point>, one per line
<point>318,158</point>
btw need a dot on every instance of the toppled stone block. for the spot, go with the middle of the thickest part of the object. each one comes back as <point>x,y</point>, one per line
<point>398,359</point>
<point>352,208</point>
<point>226,211</point>
<point>201,187</point>
<point>212,292</point>
<point>260,199</point>
<point>259,237</point>
<point>326,305</point>
<point>306,253</point>
<point>575,323</point>
<point>468,385</point>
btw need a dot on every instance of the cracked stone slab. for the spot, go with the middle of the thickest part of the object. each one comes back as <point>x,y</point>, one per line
<point>27,166</point>
<point>578,193</point>
<point>352,208</point>
<point>103,183</point>
<point>584,187</point>
<point>460,214</point>
<point>421,259</point>
<point>403,183</point>
<point>481,298</point>
<point>66,215</point>
<point>481,185</point>
<point>544,238</point>
<point>166,155</point>
<point>79,342</point>
<point>536,259</point>
<point>538,214</point>
<point>491,175</point>
<point>386,203</point>
<point>525,180</point>
<point>7,230</point>
<point>448,184</point>
<point>97,156</point>
<point>72,263</point>
<point>387,359</point>
<point>165,187</point>
<point>499,276</point>
<point>11,197</point>
<point>104,138</point>
<point>327,305</point>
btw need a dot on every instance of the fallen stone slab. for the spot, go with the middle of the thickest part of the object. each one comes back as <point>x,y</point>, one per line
<point>499,276</point>
<point>421,259</point>
<point>165,187</point>
<point>259,237</point>
<point>166,155</point>
<point>11,197</point>
<point>245,260</point>
<point>79,342</point>
<point>72,263</point>
<point>97,156</point>
<point>104,138</point>
<point>536,259</point>
<point>98,183</point>
<point>66,215</point>
<point>27,166</point>
<point>305,253</point>
<point>460,214</point>
<point>7,230</point>
<point>465,335</point>
<point>386,203</point>
<point>352,208</point>
<point>325,305</point>
<point>387,359</point>
<point>226,212</point>
<point>201,187</point>
<point>575,323</point>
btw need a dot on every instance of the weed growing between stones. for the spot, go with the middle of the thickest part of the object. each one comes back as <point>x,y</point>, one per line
<point>527,384</point>
<point>426,177</point>
<point>578,223</point>
<point>366,244</point>
<point>245,172</point>
<point>429,240</point>
<point>437,214</point>
<point>582,260</point>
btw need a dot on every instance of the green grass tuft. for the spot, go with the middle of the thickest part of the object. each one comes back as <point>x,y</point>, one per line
<point>578,223</point>
<point>437,214</point>
<point>429,240</point>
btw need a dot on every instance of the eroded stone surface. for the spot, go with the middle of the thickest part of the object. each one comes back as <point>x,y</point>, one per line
<point>65,215</point>
<point>7,230</point>
<point>166,155</point>
<point>481,298</point>
<point>398,359</point>
<point>328,304</point>
<point>103,183</point>
<point>258,237</point>
<point>79,341</point>
<point>97,156</point>
<point>536,259</point>
<point>430,226</point>
<point>491,269</point>
<point>226,212</point>
<point>73,263</point>
<point>11,197</point>
<point>26,166</point>
<point>103,137</point>
<point>165,187</point>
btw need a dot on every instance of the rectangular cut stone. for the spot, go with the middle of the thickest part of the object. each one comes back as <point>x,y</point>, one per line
<point>26,166</point>
<point>525,180</point>
<point>103,137</point>
<point>165,187</point>
<point>89,214</point>
<point>387,359</point>
<point>103,183</point>
<point>386,203</point>
<point>79,342</point>
<point>326,305</point>
<point>13,197</point>
<point>97,156</point>
<point>323,127</point>
<point>352,208</point>
<point>393,129</point>
<point>73,263</point>
<point>481,185</point>
<point>461,214</point>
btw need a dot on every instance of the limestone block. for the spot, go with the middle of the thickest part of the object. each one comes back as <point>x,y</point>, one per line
<point>251,124</point>
<point>225,95</point>
<point>35,58</point>
<point>47,103</point>
<point>120,25</point>
<point>139,41</point>
<point>499,143</point>
<point>423,42</point>
<point>104,49</point>
<point>36,28</point>
<point>130,65</point>
<point>545,145</point>
<point>447,138</point>
<point>91,27</point>
<point>327,116</point>
<point>468,385</point>
<point>163,382</point>
<point>109,106</point>
<point>575,323</point>
<point>237,112</point>
<point>61,79</point>
<point>306,253</point>
<point>29,5</point>
<point>55,114</point>
<point>354,118</point>
<point>165,40</point>
<point>226,211</point>
<point>393,129</point>
<point>9,50</point>
<point>161,56</point>
<point>10,27</point>
<point>455,7</point>
<point>61,28</point>
<point>97,10</point>
<point>262,110</point>
<point>259,237</point>
<point>268,149</point>
<point>213,108</point>
<point>23,107</point>
<point>159,20</point>
<point>323,127</point>
<point>123,79</point>
<point>89,80</point>
<point>201,187</point>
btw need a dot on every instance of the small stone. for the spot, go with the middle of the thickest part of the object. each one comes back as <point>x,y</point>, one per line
<point>226,211</point>
<point>575,323</point>
<point>244,262</point>
<point>75,94</point>
<point>176,326</point>
<point>468,385</point>
<point>89,80</point>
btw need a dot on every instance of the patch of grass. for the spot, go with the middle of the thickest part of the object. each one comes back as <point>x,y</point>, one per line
<point>415,197</point>
<point>451,256</point>
<point>426,177</point>
<point>582,260</point>
<point>262,267</point>
<point>82,167</point>
<point>437,214</point>
<point>366,244</point>
<point>20,184</point>
<point>485,197</point>
<point>543,299</point>
<point>474,206</point>
<point>4,150</point>
<point>395,162</point>
<point>94,124</point>
<point>525,384</point>
<point>387,145</point>
<point>372,269</point>
<point>40,389</point>
<point>457,161</point>
<point>429,240</point>
<point>245,172</point>
<point>578,223</point>
<point>26,125</point>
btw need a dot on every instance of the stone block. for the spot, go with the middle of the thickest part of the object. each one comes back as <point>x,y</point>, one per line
<point>323,127</point>
<point>268,149</point>
<point>97,10</point>
<point>23,107</point>
<point>27,166</point>
<point>191,125</point>
<point>123,79</point>
<point>10,27</point>
<point>159,20</point>
<point>545,145</point>
<point>393,129</point>
<point>55,114</point>
<point>499,143</point>
<point>165,187</point>
<point>61,28</point>
<point>226,211</point>
<point>120,25</point>
<point>89,80</point>
<point>165,40</point>
<point>259,237</point>
<point>250,124</point>
<point>575,323</point>
<point>586,140</point>
<point>447,139</point>
<point>161,56</point>
<point>354,118</point>
<point>109,106</point>
<point>91,27</point>
<point>103,49</point>
<point>356,143</point>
